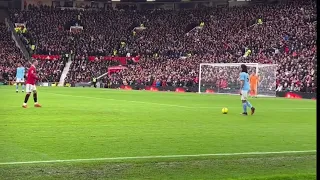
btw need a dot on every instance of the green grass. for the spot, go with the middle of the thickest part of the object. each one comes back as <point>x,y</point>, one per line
<point>84,123</point>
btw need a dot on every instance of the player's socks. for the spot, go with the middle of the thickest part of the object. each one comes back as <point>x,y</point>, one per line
<point>253,110</point>
<point>26,98</point>
<point>249,104</point>
<point>36,104</point>
<point>35,98</point>
<point>25,101</point>
<point>251,107</point>
<point>244,105</point>
<point>17,87</point>
<point>22,87</point>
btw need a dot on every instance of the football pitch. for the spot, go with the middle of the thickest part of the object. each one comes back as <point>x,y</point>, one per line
<point>87,133</point>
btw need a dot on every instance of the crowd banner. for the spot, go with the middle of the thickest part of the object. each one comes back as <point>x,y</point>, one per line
<point>46,57</point>
<point>114,69</point>
<point>122,60</point>
<point>135,59</point>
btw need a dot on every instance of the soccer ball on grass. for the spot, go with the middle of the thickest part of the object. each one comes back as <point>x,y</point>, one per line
<point>224,110</point>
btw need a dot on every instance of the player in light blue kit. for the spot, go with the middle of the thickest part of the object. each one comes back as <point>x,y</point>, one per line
<point>20,77</point>
<point>244,90</point>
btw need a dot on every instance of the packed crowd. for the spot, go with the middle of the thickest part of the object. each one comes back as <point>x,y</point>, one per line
<point>83,70</point>
<point>10,55</point>
<point>169,72</point>
<point>49,30</point>
<point>50,70</point>
<point>285,36</point>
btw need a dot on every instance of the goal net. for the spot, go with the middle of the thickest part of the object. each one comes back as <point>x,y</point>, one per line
<point>223,78</point>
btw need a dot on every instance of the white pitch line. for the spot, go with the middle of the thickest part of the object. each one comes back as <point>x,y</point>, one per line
<point>169,105</point>
<point>155,157</point>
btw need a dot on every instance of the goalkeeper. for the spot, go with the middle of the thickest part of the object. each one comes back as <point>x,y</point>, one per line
<point>244,90</point>
<point>254,79</point>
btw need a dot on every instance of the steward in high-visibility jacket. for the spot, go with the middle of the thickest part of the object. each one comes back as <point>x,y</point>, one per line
<point>24,30</point>
<point>247,53</point>
<point>17,30</point>
<point>94,81</point>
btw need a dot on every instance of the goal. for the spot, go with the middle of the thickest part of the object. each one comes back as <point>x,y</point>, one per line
<point>223,78</point>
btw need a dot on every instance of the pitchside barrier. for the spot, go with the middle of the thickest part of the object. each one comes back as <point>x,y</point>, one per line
<point>194,89</point>
<point>287,94</point>
<point>46,84</point>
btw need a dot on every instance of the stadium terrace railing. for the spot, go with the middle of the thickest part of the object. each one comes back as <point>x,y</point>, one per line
<point>21,45</point>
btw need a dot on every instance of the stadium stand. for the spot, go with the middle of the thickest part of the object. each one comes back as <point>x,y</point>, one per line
<point>10,55</point>
<point>172,44</point>
<point>83,70</point>
<point>50,70</point>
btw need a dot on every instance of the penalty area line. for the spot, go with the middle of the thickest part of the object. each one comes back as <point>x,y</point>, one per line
<point>155,157</point>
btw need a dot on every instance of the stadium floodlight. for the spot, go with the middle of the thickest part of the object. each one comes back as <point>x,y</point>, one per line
<point>223,78</point>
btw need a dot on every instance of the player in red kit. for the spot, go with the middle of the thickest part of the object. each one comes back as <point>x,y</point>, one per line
<point>31,85</point>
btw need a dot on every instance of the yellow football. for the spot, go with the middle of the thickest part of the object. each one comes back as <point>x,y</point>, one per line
<point>224,110</point>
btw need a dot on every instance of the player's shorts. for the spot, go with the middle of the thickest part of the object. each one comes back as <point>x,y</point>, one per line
<point>20,80</point>
<point>30,88</point>
<point>253,88</point>
<point>244,95</point>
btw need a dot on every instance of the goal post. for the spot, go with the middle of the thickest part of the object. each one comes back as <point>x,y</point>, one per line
<point>223,78</point>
